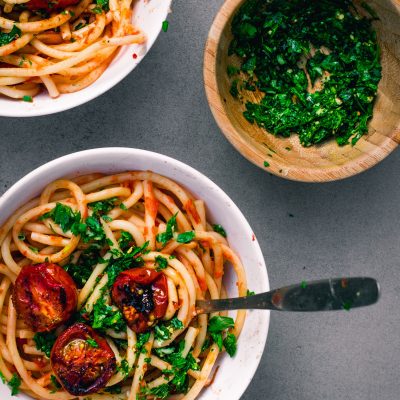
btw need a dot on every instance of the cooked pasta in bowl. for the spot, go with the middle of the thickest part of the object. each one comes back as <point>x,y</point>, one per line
<point>55,55</point>
<point>103,256</point>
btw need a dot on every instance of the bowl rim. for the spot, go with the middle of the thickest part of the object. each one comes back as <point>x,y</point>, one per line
<point>292,172</point>
<point>90,95</point>
<point>77,159</point>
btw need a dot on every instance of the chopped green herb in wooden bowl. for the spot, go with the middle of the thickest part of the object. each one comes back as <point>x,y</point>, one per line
<point>306,89</point>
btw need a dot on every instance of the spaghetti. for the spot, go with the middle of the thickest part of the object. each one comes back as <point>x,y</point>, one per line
<point>140,252</point>
<point>60,45</point>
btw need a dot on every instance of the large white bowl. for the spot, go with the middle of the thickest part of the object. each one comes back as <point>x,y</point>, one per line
<point>148,16</point>
<point>234,374</point>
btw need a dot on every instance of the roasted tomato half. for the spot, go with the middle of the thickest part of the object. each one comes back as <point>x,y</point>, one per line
<point>82,361</point>
<point>142,296</point>
<point>45,296</point>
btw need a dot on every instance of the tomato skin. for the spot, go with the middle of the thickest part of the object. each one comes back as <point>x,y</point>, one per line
<point>44,296</point>
<point>50,5</point>
<point>81,368</point>
<point>142,296</point>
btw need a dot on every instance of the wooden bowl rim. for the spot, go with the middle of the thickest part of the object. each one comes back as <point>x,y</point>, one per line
<point>293,172</point>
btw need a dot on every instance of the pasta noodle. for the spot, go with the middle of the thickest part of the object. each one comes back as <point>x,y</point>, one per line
<point>91,225</point>
<point>61,49</point>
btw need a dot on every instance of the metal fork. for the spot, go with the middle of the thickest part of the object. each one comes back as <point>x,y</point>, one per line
<point>322,295</point>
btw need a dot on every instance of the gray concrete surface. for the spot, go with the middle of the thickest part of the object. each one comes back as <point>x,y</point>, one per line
<point>343,228</point>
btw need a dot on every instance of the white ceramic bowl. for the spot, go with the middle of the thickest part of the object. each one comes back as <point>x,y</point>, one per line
<point>148,16</point>
<point>234,374</point>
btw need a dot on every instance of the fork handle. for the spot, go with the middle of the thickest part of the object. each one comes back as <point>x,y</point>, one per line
<point>322,295</point>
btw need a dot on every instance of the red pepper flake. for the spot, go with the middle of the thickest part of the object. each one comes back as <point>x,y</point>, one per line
<point>134,56</point>
<point>253,237</point>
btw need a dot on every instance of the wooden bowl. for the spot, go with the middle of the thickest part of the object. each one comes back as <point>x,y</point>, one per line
<point>285,156</point>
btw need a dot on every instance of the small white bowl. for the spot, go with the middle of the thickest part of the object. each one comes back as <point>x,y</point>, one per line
<point>234,374</point>
<point>148,16</point>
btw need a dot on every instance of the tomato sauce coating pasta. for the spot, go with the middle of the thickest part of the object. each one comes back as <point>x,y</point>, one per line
<point>140,252</point>
<point>62,45</point>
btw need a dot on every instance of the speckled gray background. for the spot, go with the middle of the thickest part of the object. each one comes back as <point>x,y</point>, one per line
<point>343,228</point>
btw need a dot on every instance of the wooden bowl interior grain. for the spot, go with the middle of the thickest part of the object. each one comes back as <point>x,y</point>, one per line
<point>285,156</point>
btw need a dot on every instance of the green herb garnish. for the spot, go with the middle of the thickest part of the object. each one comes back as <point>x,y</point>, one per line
<point>165,26</point>
<point>44,341</point>
<point>27,99</point>
<point>55,384</point>
<point>186,237</point>
<point>161,263</point>
<point>14,384</point>
<point>314,63</point>
<point>230,344</point>
<point>63,216</point>
<point>6,38</point>
<point>105,317</point>
<point>124,367</point>
<point>103,207</point>
<point>216,326</point>
<point>219,229</point>
<point>91,342</point>
<point>169,231</point>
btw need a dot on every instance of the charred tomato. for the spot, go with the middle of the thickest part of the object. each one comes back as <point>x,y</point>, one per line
<point>44,296</point>
<point>50,5</point>
<point>82,361</point>
<point>142,296</point>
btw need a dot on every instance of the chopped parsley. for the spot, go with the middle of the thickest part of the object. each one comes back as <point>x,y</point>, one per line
<point>2,377</point>
<point>180,367</point>
<point>63,216</point>
<point>106,317</point>
<point>218,324</point>
<point>132,258</point>
<point>14,384</point>
<point>347,305</point>
<point>219,229</point>
<point>125,241</point>
<point>315,63</point>
<point>102,207</point>
<point>44,341</point>
<point>250,293</point>
<point>55,384</point>
<point>159,392</point>
<point>91,342</point>
<point>124,368</point>
<point>6,38</point>
<point>164,331</point>
<point>161,332</point>
<point>161,263</point>
<point>93,230</point>
<point>176,323</point>
<point>266,164</point>
<point>230,344</point>
<point>142,339</point>
<point>165,26</point>
<point>186,237</point>
<point>164,237</point>
<point>27,99</point>
<point>34,249</point>
<point>81,271</point>
<point>216,327</point>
